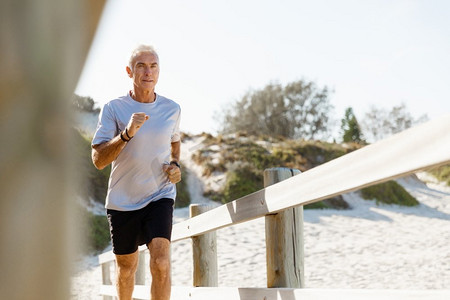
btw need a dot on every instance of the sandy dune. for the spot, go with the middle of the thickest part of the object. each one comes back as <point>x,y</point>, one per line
<point>368,246</point>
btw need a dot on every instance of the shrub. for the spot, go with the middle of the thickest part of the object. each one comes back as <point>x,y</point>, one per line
<point>183,199</point>
<point>98,232</point>
<point>94,231</point>
<point>442,173</point>
<point>242,151</point>
<point>337,202</point>
<point>241,182</point>
<point>252,158</point>
<point>93,183</point>
<point>389,193</point>
<point>256,155</point>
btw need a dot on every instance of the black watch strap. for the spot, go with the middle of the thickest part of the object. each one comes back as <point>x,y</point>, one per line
<point>175,163</point>
<point>122,138</point>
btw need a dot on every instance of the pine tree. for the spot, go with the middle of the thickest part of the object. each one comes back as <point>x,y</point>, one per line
<point>350,128</point>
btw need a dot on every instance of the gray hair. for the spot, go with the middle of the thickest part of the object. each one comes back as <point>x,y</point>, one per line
<point>142,49</point>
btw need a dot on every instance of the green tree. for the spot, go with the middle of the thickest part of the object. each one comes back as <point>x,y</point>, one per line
<point>84,103</point>
<point>350,128</point>
<point>299,109</point>
<point>308,110</point>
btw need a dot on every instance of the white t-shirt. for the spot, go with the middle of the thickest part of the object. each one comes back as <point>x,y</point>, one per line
<point>137,177</point>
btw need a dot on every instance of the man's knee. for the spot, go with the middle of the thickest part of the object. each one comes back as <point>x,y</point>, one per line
<point>126,266</point>
<point>160,265</point>
<point>159,256</point>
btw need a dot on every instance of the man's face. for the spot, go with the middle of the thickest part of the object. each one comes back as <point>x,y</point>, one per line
<point>144,71</point>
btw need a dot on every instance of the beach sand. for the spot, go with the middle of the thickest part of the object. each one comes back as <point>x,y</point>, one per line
<point>369,246</point>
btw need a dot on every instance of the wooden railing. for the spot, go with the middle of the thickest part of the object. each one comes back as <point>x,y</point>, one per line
<point>415,149</point>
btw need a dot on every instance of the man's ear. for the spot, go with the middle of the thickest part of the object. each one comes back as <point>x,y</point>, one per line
<point>130,73</point>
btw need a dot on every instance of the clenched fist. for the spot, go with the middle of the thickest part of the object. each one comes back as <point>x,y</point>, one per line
<point>173,172</point>
<point>136,122</point>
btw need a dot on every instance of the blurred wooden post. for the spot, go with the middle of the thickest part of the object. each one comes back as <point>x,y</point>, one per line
<point>284,239</point>
<point>204,253</point>
<point>106,277</point>
<point>43,48</point>
<point>141,269</point>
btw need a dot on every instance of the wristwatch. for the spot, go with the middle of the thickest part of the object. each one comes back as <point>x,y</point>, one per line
<point>173,162</point>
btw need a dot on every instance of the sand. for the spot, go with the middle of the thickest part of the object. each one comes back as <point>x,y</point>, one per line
<point>369,246</point>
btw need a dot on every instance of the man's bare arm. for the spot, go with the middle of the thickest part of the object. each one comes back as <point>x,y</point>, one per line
<point>175,151</point>
<point>172,170</point>
<point>105,153</point>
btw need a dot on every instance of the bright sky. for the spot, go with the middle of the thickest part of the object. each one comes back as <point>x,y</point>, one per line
<point>381,52</point>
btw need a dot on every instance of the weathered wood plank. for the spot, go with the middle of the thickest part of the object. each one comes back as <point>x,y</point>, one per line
<point>311,294</point>
<point>414,149</point>
<point>284,239</point>
<point>410,151</point>
<point>234,293</point>
<point>204,252</point>
<point>139,292</point>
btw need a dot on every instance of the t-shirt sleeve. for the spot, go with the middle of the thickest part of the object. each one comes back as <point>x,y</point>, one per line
<point>176,130</point>
<point>106,127</point>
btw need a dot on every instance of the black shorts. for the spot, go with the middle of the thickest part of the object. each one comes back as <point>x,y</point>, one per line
<point>130,229</point>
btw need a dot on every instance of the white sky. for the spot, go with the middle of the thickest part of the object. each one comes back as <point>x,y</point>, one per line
<point>211,53</point>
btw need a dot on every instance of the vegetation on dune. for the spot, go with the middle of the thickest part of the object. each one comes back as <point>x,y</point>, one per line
<point>93,183</point>
<point>241,182</point>
<point>94,230</point>
<point>183,198</point>
<point>98,232</point>
<point>266,152</point>
<point>389,192</point>
<point>337,202</point>
<point>441,173</point>
<point>244,158</point>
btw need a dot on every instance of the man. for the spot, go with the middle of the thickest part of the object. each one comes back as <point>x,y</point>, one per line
<point>139,135</point>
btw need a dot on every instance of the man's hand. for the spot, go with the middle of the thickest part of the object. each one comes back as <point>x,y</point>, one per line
<point>136,122</point>
<point>173,172</point>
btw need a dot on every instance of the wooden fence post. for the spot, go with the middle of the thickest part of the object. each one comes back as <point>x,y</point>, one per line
<point>204,253</point>
<point>106,277</point>
<point>44,44</point>
<point>141,269</point>
<point>284,239</point>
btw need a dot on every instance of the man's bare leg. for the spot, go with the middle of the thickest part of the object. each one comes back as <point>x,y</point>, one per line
<point>126,270</point>
<point>160,268</point>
